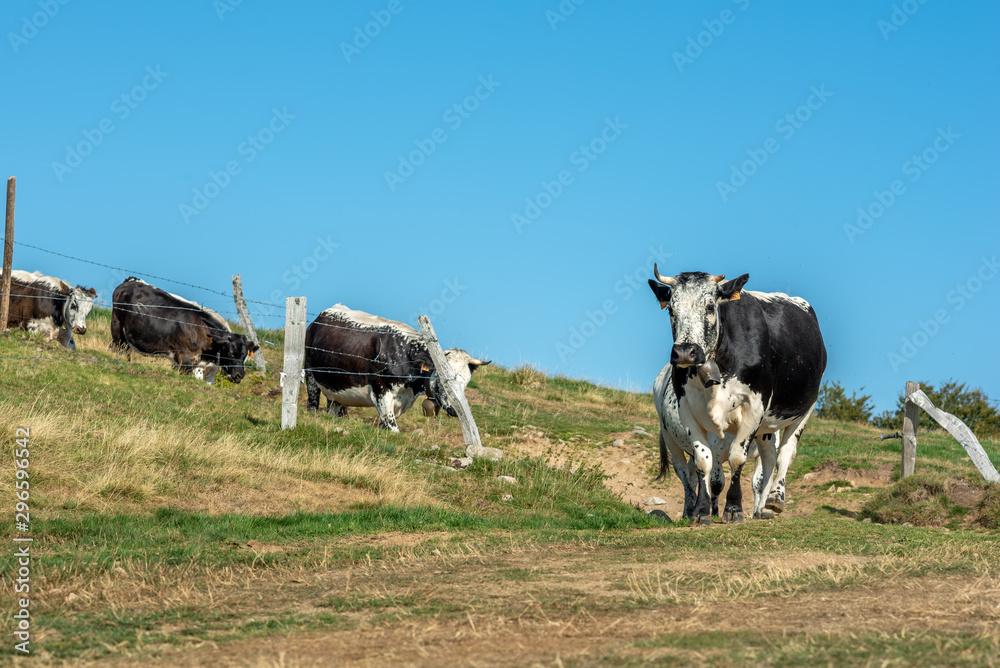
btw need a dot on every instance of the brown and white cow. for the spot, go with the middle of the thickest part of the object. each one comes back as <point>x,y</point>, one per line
<point>151,321</point>
<point>358,359</point>
<point>49,305</point>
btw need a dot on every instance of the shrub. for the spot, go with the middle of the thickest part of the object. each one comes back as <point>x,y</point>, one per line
<point>972,407</point>
<point>834,404</point>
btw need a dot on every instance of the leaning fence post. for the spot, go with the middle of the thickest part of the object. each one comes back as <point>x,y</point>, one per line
<point>241,308</point>
<point>456,397</point>
<point>295,346</point>
<point>8,255</point>
<point>911,414</point>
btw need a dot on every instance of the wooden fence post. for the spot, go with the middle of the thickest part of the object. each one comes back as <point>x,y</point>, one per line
<point>911,415</point>
<point>295,347</point>
<point>456,397</point>
<point>241,308</point>
<point>8,255</point>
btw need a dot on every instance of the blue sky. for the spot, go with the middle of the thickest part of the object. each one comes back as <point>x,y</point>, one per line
<point>513,169</point>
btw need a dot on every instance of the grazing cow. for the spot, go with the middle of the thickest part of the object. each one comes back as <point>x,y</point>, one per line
<point>770,359</point>
<point>150,321</point>
<point>48,305</point>
<point>358,359</point>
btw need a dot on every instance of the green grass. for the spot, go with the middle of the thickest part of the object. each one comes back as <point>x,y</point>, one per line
<point>181,513</point>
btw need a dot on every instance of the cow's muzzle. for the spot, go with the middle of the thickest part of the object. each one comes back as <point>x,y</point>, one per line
<point>687,354</point>
<point>80,330</point>
<point>451,411</point>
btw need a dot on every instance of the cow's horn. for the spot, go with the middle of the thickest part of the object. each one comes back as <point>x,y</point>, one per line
<point>473,360</point>
<point>667,280</point>
<point>719,278</point>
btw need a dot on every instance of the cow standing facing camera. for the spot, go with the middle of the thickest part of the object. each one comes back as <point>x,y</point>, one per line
<point>358,359</point>
<point>766,357</point>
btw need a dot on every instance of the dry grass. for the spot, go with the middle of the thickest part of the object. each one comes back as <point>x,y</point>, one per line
<point>98,460</point>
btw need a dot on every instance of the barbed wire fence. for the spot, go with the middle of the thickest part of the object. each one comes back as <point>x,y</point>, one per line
<point>211,320</point>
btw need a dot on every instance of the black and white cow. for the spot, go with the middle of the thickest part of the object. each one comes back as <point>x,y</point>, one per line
<point>49,305</point>
<point>358,359</point>
<point>768,359</point>
<point>151,321</point>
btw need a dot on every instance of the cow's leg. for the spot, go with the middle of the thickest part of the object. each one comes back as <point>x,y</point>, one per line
<point>672,453</point>
<point>703,463</point>
<point>762,473</point>
<point>335,409</point>
<point>313,392</point>
<point>786,453</point>
<point>752,413</point>
<point>738,454</point>
<point>385,405</point>
<point>118,343</point>
<point>185,362</point>
<point>717,483</point>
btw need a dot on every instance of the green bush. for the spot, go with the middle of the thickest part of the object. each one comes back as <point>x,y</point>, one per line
<point>834,404</point>
<point>972,407</point>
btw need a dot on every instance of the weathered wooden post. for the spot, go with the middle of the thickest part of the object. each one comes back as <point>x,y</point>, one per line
<point>8,255</point>
<point>956,428</point>
<point>241,308</point>
<point>295,347</point>
<point>911,415</point>
<point>456,397</point>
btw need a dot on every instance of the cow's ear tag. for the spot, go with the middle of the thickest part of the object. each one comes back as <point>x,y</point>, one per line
<point>250,354</point>
<point>424,366</point>
<point>735,297</point>
<point>210,340</point>
<point>663,305</point>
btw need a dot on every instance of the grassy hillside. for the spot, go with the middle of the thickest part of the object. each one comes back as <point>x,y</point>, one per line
<point>175,521</point>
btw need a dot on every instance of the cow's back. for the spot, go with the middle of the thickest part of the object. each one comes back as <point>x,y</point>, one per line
<point>155,322</point>
<point>352,350</point>
<point>781,349</point>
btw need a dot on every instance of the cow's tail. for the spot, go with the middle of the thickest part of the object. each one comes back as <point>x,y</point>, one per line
<point>664,460</point>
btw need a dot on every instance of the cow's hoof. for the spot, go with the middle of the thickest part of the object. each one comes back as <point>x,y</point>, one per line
<point>702,521</point>
<point>310,409</point>
<point>733,516</point>
<point>775,503</point>
<point>764,515</point>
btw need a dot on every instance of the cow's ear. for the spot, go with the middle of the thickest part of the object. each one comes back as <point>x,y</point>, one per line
<point>64,288</point>
<point>92,292</point>
<point>730,290</point>
<point>661,291</point>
